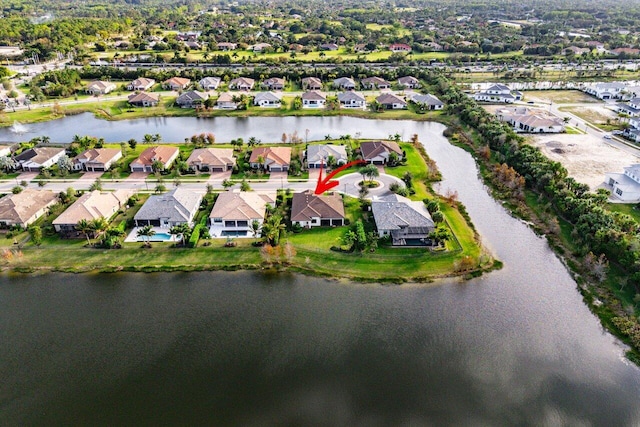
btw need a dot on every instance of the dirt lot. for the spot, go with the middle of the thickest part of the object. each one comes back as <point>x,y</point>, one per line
<point>597,115</point>
<point>586,157</point>
<point>559,96</point>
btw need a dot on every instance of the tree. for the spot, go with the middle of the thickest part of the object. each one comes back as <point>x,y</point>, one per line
<point>35,232</point>
<point>132,143</point>
<point>273,229</point>
<point>65,164</point>
<point>7,164</point>
<point>99,226</point>
<point>86,228</point>
<point>148,138</point>
<point>440,235</point>
<point>255,228</point>
<point>146,232</point>
<point>227,183</point>
<point>369,171</point>
<point>97,185</point>
<point>244,186</point>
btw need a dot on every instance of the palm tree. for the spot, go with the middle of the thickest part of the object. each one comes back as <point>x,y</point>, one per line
<point>85,227</point>
<point>255,228</point>
<point>148,138</point>
<point>148,232</point>
<point>99,226</point>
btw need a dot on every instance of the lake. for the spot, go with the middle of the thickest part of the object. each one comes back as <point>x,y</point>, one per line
<point>514,347</point>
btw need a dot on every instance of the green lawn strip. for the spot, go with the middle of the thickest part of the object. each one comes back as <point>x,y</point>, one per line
<point>416,165</point>
<point>626,208</point>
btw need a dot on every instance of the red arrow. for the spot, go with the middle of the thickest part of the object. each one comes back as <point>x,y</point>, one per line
<point>326,184</point>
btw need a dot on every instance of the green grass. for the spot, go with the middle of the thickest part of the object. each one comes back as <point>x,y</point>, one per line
<point>416,166</point>
<point>629,209</point>
<point>560,96</point>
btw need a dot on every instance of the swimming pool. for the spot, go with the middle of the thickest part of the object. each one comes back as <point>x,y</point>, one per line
<point>158,237</point>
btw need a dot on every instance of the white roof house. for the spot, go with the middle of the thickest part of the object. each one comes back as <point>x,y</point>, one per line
<point>209,83</point>
<point>626,186</point>
<point>605,91</point>
<point>318,155</point>
<point>498,93</point>
<point>267,99</point>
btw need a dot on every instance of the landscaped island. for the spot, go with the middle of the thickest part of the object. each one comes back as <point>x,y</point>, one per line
<point>265,215</point>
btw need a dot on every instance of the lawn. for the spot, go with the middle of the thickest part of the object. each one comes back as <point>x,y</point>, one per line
<point>416,166</point>
<point>560,96</point>
<point>626,208</point>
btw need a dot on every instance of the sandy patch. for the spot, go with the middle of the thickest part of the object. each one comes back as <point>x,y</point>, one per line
<point>586,158</point>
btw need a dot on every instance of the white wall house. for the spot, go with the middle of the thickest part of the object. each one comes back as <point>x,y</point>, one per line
<point>498,93</point>
<point>626,186</point>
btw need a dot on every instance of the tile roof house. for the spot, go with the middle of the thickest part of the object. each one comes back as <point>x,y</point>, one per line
<point>625,186</point>
<point>25,207</point>
<point>377,152</point>
<point>352,100</point>
<point>100,88</point>
<point>407,222</point>
<point>389,101</point>
<point>344,83</point>
<point>144,99</point>
<point>176,83</point>
<point>314,99</point>
<point>209,83</point>
<point>91,205</point>
<point>267,99</point>
<point>318,155</point>
<point>410,82</point>
<point>259,47</point>
<point>141,83</point>
<point>234,213</point>
<point>192,99</point>
<point>211,159</point>
<point>530,121</point>
<point>311,83</point>
<point>329,46</point>
<point>179,206</point>
<point>311,210</point>
<point>97,159</point>
<point>37,158</point>
<point>274,159</point>
<point>225,101</point>
<point>400,47</point>
<point>163,154</point>
<point>242,83</point>
<point>227,46</point>
<point>375,83</point>
<point>274,83</point>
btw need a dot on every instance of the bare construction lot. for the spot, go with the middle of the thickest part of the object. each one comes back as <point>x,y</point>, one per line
<point>586,157</point>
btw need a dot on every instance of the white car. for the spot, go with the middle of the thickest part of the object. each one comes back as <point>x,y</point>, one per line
<point>607,136</point>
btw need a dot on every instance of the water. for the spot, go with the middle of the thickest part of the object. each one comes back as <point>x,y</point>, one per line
<point>514,347</point>
<point>18,128</point>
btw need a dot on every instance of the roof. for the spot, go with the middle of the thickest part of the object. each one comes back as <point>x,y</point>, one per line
<point>178,205</point>
<point>266,96</point>
<point>38,155</point>
<point>277,155</point>
<point>625,183</point>
<point>306,205</point>
<point>98,155</point>
<point>408,80</point>
<point>160,153</point>
<point>274,81</point>
<point>192,96</point>
<point>136,98</point>
<point>498,86</point>
<point>314,95</point>
<point>241,205</point>
<point>100,85</point>
<point>178,81</point>
<point>389,98</point>
<point>242,81</point>
<point>225,97</point>
<point>21,207</point>
<point>535,120</point>
<point>212,156</point>
<point>93,205</point>
<point>342,81</point>
<point>142,81</point>
<point>208,81</point>
<point>311,81</point>
<point>427,99</point>
<point>394,212</point>
<point>349,96</point>
<point>375,80</point>
<point>371,149</point>
<point>317,153</point>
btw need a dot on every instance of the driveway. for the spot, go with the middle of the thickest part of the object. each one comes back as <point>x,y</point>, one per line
<point>349,185</point>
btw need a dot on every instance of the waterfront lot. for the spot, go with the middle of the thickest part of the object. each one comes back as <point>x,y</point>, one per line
<point>559,96</point>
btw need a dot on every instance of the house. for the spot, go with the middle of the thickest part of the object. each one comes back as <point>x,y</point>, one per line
<point>344,83</point>
<point>527,121</point>
<point>400,47</point>
<point>37,158</point>
<point>5,150</point>
<point>100,88</point>
<point>352,100</point>
<point>25,207</point>
<point>427,101</point>
<point>260,47</point>
<point>144,99</point>
<point>626,50</point>
<point>192,45</point>
<point>605,91</point>
<point>227,46</point>
<point>189,36</point>
<point>242,83</point>
<point>374,83</point>
<point>409,82</point>
<point>267,99</point>
<point>626,186</point>
<point>164,155</point>
<point>407,222</point>
<point>234,213</point>
<point>97,159</point>
<point>273,159</point>
<point>311,83</point>
<point>176,83</point>
<point>498,93</point>
<point>632,109</point>
<point>90,206</point>
<point>390,101</point>
<point>312,210</point>
<point>192,98</point>
<point>329,46</point>
<point>378,152</point>
<point>318,155</point>
<point>141,83</point>
<point>434,47</point>
<point>209,83</point>
<point>274,83</point>
<point>211,159</point>
<point>179,206</point>
<point>313,99</point>
<point>225,102</point>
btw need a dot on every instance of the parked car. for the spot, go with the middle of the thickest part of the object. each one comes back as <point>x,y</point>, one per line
<point>607,136</point>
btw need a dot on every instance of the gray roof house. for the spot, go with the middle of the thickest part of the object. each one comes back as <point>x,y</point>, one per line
<point>267,99</point>
<point>429,101</point>
<point>352,100</point>
<point>192,98</point>
<point>209,83</point>
<point>344,83</point>
<point>409,82</point>
<point>179,206</point>
<point>390,101</point>
<point>37,158</point>
<point>375,83</point>
<point>313,99</point>
<point>318,155</point>
<point>407,222</point>
<point>311,83</point>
